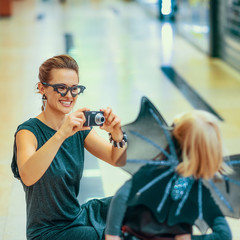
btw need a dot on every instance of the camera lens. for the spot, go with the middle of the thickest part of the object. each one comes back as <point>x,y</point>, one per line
<point>99,119</point>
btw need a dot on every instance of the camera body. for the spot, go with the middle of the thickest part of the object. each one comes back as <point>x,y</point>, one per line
<point>94,118</point>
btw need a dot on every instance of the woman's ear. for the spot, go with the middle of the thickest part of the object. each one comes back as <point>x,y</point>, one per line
<point>41,88</point>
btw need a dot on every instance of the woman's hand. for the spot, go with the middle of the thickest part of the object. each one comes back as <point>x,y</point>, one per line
<point>183,237</point>
<point>112,237</point>
<point>74,123</point>
<point>112,124</point>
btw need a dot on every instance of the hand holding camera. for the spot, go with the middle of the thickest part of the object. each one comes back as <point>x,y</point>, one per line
<point>73,123</point>
<point>104,118</point>
<point>112,124</point>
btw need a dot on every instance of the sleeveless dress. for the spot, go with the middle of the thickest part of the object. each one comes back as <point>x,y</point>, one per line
<point>53,210</point>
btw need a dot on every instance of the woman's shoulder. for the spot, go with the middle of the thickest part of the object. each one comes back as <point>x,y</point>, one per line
<point>33,125</point>
<point>29,122</point>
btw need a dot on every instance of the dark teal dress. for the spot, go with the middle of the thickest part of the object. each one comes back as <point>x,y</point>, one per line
<point>53,210</point>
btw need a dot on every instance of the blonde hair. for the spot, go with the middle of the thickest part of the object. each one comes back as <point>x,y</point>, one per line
<point>199,137</point>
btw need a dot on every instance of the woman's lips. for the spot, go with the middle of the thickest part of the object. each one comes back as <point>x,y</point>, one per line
<point>66,103</point>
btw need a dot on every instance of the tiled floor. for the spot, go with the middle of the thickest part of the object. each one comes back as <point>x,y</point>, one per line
<point>120,50</point>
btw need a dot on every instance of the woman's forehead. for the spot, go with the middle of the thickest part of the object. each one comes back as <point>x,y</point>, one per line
<point>66,76</point>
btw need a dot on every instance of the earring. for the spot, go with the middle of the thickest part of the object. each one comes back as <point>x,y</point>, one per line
<point>44,102</point>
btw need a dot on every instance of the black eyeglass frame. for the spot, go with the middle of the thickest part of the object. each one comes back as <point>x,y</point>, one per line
<point>56,86</point>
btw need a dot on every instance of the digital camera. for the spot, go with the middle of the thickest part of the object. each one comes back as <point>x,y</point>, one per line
<point>94,118</point>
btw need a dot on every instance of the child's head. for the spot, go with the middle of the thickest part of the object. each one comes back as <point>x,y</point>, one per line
<point>199,137</point>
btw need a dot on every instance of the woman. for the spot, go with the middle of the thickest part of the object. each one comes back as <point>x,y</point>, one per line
<point>49,156</point>
<point>167,201</point>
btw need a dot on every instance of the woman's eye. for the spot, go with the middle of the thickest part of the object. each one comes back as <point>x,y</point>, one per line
<point>62,88</point>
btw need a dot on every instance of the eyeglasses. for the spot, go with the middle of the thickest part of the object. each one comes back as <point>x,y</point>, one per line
<point>62,89</point>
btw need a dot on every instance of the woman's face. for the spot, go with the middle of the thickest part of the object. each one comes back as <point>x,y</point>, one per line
<point>56,102</point>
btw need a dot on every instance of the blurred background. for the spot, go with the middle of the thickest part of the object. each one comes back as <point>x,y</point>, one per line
<point>181,54</point>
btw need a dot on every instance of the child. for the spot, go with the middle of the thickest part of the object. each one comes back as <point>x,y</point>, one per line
<point>167,201</point>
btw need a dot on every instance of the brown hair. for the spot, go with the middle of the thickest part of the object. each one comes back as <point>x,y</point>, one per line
<point>199,137</point>
<point>56,62</point>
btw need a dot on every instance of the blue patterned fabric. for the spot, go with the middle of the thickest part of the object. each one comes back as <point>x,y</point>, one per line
<point>180,186</point>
